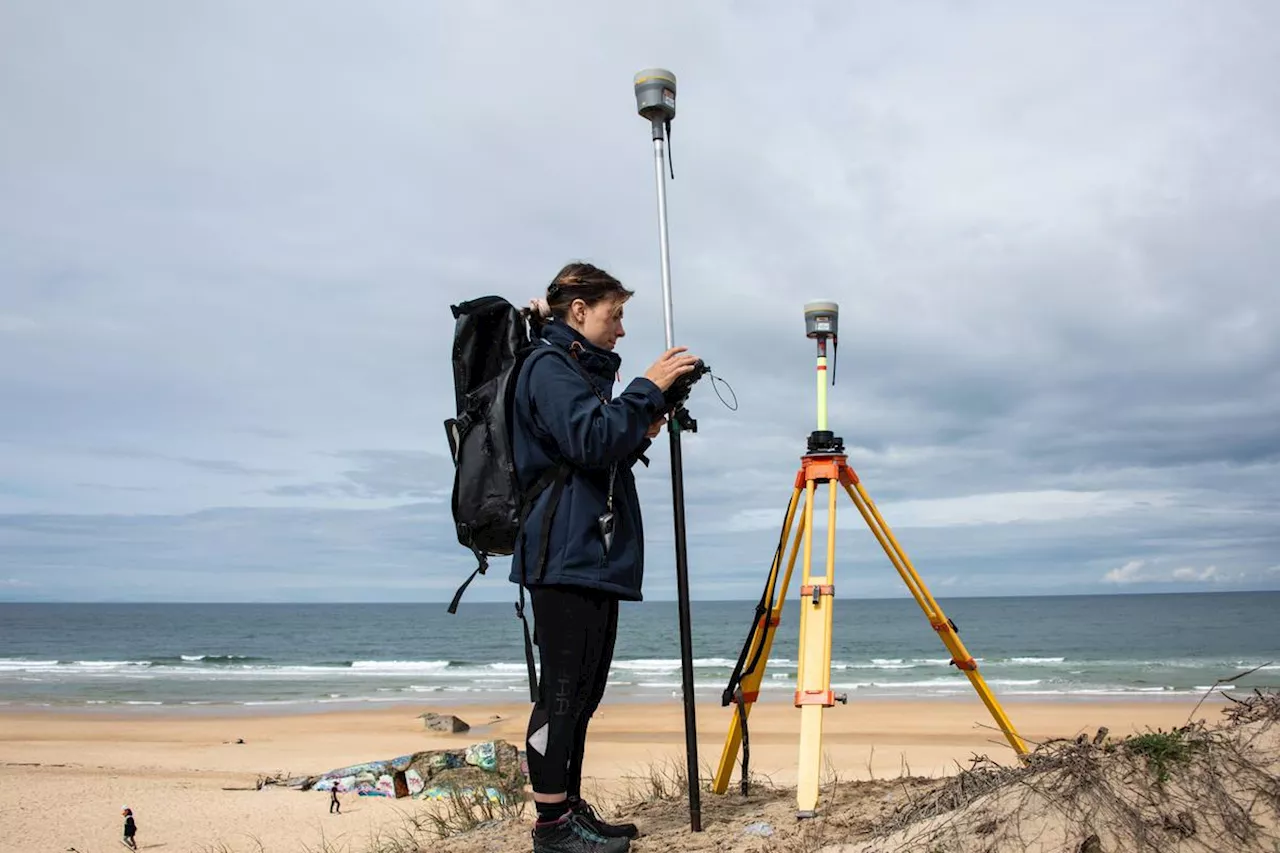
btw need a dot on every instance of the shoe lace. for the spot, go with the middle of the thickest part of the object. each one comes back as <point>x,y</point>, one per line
<point>584,830</point>
<point>583,807</point>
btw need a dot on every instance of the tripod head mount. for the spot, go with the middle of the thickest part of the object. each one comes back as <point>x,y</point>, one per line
<point>824,442</point>
<point>656,98</point>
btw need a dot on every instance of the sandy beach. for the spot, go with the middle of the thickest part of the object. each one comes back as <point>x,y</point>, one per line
<point>64,776</point>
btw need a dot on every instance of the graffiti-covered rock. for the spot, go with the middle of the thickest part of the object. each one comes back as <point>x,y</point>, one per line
<point>494,767</point>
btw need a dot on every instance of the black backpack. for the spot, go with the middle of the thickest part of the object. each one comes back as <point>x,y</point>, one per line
<point>490,345</point>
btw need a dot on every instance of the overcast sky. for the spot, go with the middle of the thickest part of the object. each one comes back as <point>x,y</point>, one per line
<point>230,234</point>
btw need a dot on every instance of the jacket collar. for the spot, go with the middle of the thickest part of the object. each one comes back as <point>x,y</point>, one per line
<point>595,360</point>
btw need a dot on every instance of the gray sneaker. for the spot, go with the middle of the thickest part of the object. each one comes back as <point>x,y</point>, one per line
<point>573,833</point>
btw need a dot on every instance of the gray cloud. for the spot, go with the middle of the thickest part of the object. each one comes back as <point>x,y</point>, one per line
<point>402,475</point>
<point>1051,232</point>
<point>217,466</point>
<point>114,488</point>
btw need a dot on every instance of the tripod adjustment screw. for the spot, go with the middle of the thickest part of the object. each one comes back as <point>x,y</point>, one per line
<point>842,698</point>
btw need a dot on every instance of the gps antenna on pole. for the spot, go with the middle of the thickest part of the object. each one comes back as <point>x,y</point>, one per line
<point>656,101</point>
<point>655,90</point>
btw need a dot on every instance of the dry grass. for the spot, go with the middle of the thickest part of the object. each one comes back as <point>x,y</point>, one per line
<point>464,810</point>
<point>1193,788</point>
<point>223,847</point>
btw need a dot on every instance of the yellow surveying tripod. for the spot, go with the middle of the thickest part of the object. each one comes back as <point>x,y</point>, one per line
<point>825,462</point>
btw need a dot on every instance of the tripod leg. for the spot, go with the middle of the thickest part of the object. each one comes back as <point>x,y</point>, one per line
<point>813,681</point>
<point>945,627</point>
<point>760,644</point>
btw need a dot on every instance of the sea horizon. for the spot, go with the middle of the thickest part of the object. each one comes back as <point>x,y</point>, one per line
<point>941,598</point>
<point>292,656</point>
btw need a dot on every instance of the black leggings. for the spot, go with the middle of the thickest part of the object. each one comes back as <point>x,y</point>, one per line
<point>575,629</point>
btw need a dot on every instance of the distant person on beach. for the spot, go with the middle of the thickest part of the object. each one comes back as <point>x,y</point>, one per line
<point>583,554</point>
<point>130,827</point>
<point>335,807</point>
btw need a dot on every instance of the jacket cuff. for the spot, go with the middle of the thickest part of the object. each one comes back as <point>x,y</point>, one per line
<point>651,393</point>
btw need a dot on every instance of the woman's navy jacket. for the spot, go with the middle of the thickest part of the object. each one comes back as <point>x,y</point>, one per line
<point>558,418</point>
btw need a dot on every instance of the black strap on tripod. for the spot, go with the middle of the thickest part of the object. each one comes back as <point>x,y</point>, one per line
<point>734,689</point>
<point>741,669</point>
<point>746,742</point>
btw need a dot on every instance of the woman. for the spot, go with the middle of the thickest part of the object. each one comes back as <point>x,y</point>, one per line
<point>582,547</point>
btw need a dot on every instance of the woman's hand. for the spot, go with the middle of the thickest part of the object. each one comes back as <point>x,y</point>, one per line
<point>669,367</point>
<point>655,427</point>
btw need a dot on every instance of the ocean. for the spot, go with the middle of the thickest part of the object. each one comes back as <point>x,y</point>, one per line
<point>316,656</point>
